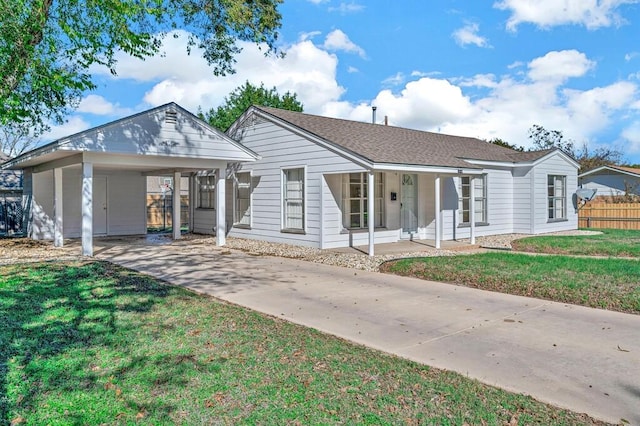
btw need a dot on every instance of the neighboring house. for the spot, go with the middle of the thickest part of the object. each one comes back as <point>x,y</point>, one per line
<point>95,182</point>
<point>11,203</point>
<point>328,183</point>
<point>612,180</point>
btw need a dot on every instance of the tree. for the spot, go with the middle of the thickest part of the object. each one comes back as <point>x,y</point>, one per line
<point>15,139</point>
<point>242,98</point>
<point>588,159</point>
<point>505,144</point>
<point>549,139</point>
<point>48,48</point>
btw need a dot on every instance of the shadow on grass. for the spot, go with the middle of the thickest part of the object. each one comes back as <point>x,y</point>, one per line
<point>48,310</point>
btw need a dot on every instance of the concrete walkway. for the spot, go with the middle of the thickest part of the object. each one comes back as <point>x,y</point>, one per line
<point>584,359</point>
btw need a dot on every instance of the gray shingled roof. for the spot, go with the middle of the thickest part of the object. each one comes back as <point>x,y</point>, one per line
<point>388,144</point>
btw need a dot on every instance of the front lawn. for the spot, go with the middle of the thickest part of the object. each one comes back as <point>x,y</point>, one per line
<point>93,343</point>
<point>611,242</point>
<point>612,284</point>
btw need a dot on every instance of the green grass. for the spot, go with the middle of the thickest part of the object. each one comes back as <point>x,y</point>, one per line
<point>612,242</point>
<point>612,284</point>
<point>92,343</point>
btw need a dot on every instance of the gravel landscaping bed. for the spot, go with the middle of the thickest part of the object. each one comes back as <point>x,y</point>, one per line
<point>18,250</point>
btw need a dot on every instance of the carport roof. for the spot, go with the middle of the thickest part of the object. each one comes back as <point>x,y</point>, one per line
<point>166,137</point>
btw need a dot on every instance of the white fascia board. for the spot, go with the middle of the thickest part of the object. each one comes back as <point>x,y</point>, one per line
<point>387,167</point>
<point>514,164</point>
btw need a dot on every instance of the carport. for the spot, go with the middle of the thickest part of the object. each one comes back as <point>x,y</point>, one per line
<point>94,182</point>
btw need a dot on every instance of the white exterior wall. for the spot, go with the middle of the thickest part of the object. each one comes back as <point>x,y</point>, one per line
<point>281,149</point>
<point>41,227</point>
<point>125,202</point>
<point>555,165</point>
<point>522,200</point>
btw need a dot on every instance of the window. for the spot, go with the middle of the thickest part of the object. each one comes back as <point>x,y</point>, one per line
<point>293,199</point>
<point>355,203</point>
<point>207,192</point>
<point>556,192</point>
<point>464,202</point>
<point>242,207</point>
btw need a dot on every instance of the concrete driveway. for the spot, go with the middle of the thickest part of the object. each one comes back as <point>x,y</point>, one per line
<point>584,359</point>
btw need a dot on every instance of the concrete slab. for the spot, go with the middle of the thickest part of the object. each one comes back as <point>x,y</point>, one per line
<point>584,359</point>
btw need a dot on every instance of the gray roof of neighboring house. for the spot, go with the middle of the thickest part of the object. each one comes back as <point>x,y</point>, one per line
<point>388,144</point>
<point>632,171</point>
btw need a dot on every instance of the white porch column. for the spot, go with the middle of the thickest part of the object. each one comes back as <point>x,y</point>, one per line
<point>87,209</point>
<point>57,208</point>
<point>221,227</point>
<point>472,210</point>
<point>371,217</point>
<point>437,208</point>
<point>175,224</point>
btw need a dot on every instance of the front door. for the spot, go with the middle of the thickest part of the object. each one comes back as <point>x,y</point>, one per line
<point>408,204</point>
<point>99,205</point>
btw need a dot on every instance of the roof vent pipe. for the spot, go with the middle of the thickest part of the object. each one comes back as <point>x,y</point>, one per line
<point>386,120</point>
<point>373,114</point>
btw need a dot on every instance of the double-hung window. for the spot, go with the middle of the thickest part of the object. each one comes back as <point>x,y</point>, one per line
<point>480,195</point>
<point>293,199</point>
<point>207,192</point>
<point>242,200</point>
<point>556,193</point>
<point>355,200</point>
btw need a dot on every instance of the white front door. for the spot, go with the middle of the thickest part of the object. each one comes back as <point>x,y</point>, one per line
<point>408,204</point>
<point>99,205</point>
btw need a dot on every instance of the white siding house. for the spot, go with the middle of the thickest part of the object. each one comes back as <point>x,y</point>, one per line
<point>318,179</point>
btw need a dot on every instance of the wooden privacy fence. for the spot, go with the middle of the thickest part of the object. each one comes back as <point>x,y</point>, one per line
<point>609,215</point>
<point>160,211</point>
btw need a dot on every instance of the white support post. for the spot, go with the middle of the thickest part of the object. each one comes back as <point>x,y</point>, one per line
<point>323,185</point>
<point>192,200</point>
<point>87,209</point>
<point>221,227</point>
<point>438,218</point>
<point>176,212</point>
<point>371,217</point>
<point>58,240</point>
<point>472,210</point>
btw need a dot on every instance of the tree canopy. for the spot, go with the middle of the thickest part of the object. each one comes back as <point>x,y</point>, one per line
<point>505,144</point>
<point>242,98</point>
<point>48,48</point>
<point>588,159</point>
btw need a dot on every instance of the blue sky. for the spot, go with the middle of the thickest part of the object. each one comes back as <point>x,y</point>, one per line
<point>485,69</point>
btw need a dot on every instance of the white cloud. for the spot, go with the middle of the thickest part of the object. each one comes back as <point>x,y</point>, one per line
<point>74,125</point>
<point>338,41</point>
<point>630,56</point>
<point>469,35</point>
<point>559,66</point>
<point>307,70</point>
<point>345,8</point>
<point>394,80</point>
<point>631,137</point>
<point>352,70</point>
<point>98,105</point>
<point>592,14</point>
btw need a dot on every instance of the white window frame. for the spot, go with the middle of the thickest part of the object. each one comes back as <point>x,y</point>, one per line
<point>285,219</point>
<point>556,198</point>
<point>245,219</point>
<point>360,198</point>
<point>481,202</point>
<point>207,202</point>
